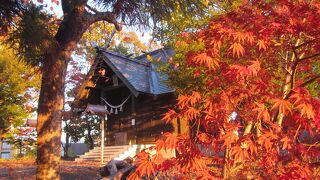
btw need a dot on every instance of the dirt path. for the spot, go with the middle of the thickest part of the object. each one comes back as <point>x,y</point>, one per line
<point>69,171</point>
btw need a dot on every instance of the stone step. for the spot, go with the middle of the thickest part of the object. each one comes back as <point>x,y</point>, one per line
<point>99,154</point>
<point>107,150</point>
<point>98,159</point>
<point>105,160</point>
<point>114,147</point>
<point>112,152</point>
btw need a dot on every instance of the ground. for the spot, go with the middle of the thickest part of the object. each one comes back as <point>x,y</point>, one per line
<point>69,170</point>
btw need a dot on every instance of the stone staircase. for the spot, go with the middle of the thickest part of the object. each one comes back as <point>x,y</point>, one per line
<point>112,152</point>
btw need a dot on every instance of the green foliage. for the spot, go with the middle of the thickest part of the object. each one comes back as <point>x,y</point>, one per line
<point>18,85</point>
<point>180,73</point>
<point>32,36</point>
<point>179,22</point>
<point>23,141</point>
<point>79,127</point>
<point>146,12</point>
<point>99,34</point>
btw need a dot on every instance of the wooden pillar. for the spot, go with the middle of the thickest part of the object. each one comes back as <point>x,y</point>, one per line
<point>102,95</point>
<point>102,139</point>
<point>133,114</point>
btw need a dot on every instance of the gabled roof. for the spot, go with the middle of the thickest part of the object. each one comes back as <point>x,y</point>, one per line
<point>139,74</point>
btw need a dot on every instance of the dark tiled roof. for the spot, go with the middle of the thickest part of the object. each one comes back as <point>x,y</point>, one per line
<point>139,74</point>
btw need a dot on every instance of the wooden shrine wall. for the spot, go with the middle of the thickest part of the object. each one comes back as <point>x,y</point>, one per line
<point>147,112</point>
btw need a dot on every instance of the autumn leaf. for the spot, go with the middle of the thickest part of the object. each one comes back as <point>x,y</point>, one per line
<point>206,60</point>
<point>145,166</point>
<point>262,45</point>
<point>183,101</point>
<point>254,67</point>
<point>203,137</point>
<point>266,139</point>
<point>262,112</point>
<point>306,110</point>
<point>170,116</point>
<point>195,97</point>
<point>237,49</point>
<point>157,158</point>
<point>252,147</point>
<point>240,154</point>
<point>149,57</point>
<point>160,144</point>
<point>191,113</point>
<point>286,143</point>
<point>171,141</point>
<point>134,176</point>
<point>239,37</point>
<point>229,138</point>
<point>300,95</point>
<point>283,106</point>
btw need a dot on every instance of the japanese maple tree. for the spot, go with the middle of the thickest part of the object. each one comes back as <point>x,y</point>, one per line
<point>260,62</point>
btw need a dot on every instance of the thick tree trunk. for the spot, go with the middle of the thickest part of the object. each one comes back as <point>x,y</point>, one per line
<point>49,115</point>
<point>75,22</point>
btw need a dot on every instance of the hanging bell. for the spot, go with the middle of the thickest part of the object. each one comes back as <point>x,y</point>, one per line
<point>111,110</point>
<point>121,108</point>
<point>116,111</point>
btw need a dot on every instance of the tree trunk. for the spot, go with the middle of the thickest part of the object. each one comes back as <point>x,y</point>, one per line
<point>67,145</point>
<point>49,114</point>
<point>75,22</point>
<point>90,140</point>
<point>0,146</point>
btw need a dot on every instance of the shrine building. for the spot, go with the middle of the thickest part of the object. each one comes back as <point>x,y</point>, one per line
<point>132,92</point>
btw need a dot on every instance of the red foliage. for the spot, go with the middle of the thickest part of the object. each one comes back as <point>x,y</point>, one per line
<point>261,62</point>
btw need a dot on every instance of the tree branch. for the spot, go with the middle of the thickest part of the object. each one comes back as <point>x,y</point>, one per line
<point>91,9</point>
<point>310,80</point>
<point>304,84</point>
<point>309,57</point>
<point>105,16</point>
<point>304,44</point>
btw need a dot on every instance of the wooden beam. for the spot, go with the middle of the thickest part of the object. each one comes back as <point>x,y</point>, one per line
<point>108,88</point>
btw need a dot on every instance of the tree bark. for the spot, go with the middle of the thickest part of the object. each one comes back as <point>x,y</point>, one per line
<point>89,137</point>
<point>67,145</point>
<point>49,115</point>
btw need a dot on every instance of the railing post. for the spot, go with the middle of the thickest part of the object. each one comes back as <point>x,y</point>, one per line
<point>102,138</point>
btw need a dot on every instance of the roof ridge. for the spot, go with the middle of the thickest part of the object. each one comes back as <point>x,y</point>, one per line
<point>152,52</point>
<point>119,55</point>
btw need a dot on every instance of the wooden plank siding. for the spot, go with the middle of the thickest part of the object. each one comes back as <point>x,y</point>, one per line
<point>147,113</point>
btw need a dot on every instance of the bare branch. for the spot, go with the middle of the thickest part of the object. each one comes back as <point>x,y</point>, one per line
<point>310,81</point>
<point>303,84</point>
<point>309,57</point>
<point>304,44</point>
<point>105,16</point>
<point>91,9</point>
